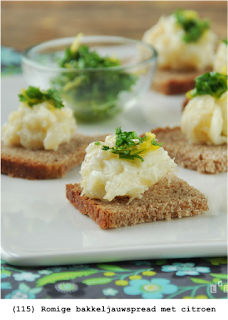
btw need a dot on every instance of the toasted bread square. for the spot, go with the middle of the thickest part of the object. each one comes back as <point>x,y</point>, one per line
<point>19,162</point>
<point>170,82</point>
<point>203,158</point>
<point>169,198</point>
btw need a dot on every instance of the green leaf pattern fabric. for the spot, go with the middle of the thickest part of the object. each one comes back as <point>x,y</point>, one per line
<point>150,279</point>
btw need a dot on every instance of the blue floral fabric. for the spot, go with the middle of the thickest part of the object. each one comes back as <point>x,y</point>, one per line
<point>155,288</point>
<point>204,278</point>
<point>182,269</point>
<point>151,279</point>
<point>10,61</point>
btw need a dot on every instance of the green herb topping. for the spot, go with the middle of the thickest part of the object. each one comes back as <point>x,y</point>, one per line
<point>155,143</point>
<point>129,145</point>
<point>225,41</point>
<point>91,94</point>
<point>125,145</point>
<point>212,83</point>
<point>85,58</point>
<point>191,24</point>
<point>33,96</point>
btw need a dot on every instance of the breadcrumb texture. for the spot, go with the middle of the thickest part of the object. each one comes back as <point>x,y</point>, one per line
<point>170,82</point>
<point>203,158</point>
<point>169,198</point>
<point>40,164</point>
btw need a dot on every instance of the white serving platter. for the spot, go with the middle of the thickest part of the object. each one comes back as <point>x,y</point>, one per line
<point>39,227</point>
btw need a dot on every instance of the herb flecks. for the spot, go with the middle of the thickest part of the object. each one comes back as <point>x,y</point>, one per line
<point>224,41</point>
<point>130,146</point>
<point>33,96</point>
<point>194,27</point>
<point>212,83</point>
<point>155,143</point>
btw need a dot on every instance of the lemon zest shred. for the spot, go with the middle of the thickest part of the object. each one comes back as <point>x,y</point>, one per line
<point>188,94</point>
<point>146,145</point>
<point>191,14</point>
<point>76,43</point>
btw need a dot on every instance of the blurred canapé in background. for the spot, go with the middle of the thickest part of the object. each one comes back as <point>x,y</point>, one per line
<point>26,23</point>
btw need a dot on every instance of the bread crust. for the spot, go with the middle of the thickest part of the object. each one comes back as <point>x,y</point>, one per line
<point>170,82</point>
<point>203,158</point>
<point>169,198</point>
<point>185,102</point>
<point>19,162</point>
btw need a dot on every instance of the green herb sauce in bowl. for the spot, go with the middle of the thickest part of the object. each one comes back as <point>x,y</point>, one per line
<point>96,76</point>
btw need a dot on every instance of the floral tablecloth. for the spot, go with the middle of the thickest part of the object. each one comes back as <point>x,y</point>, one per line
<point>204,278</point>
<point>150,279</point>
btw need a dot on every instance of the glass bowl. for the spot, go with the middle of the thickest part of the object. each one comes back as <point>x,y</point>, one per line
<point>93,93</point>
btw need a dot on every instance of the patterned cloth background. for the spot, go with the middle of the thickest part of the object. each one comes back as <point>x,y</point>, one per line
<point>10,61</point>
<point>151,279</point>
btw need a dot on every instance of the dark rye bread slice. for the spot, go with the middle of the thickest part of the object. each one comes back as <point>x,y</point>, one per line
<point>169,198</point>
<point>29,164</point>
<point>171,82</point>
<point>203,158</point>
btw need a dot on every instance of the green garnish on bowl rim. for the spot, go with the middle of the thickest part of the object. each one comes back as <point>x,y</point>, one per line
<point>212,83</point>
<point>125,146</point>
<point>33,96</point>
<point>193,27</point>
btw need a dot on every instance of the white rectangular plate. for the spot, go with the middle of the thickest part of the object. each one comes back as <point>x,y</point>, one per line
<point>40,227</point>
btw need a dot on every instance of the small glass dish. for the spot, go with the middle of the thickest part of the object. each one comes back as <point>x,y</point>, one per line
<point>93,93</point>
